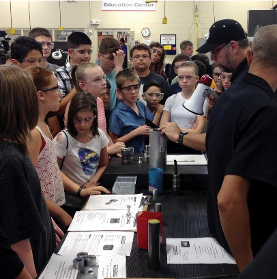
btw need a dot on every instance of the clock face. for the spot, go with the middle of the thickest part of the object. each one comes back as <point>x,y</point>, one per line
<point>145,32</point>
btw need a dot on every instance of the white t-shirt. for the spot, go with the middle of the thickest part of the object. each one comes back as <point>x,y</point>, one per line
<point>81,159</point>
<point>184,118</point>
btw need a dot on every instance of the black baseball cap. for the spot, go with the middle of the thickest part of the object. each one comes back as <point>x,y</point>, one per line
<point>222,32</point>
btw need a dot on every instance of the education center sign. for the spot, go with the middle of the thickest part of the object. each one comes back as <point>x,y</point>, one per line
<point>127,5</point>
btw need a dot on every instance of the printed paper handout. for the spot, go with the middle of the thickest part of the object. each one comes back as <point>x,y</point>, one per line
<point>61,267</point>
<point>98,243</point>
<point>104,202</point>
<point>196,251</point>
<point>103,220</point>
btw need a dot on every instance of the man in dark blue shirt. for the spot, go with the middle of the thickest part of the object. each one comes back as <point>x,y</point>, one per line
<point>241,147</point>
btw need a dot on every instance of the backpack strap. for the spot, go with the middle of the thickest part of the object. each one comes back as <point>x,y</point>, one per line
<point>66,149</point>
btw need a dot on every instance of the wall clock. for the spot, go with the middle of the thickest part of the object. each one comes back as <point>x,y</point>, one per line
<point>145,32</point>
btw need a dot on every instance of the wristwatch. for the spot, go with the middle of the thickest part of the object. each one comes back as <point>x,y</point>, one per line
<point>180,138</point>
<point>79,190</point>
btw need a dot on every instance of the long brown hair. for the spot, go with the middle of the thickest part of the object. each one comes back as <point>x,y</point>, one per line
<point>82,101</point>
<point>18,105</point>
<point>159,66</point>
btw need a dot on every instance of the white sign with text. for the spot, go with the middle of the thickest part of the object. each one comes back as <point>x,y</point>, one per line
<point>127,5</point>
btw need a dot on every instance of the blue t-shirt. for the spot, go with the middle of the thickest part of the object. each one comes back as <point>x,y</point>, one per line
<point>124,120</point>
<point>149,114</point>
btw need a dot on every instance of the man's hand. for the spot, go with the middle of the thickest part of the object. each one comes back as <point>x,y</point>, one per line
<point>212,99</point>
<point>172,130</point>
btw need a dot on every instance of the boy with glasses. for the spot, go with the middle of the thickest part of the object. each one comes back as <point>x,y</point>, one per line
<point>141,60</point>
<point>111,58</point>
<point>79,51</point>
<point>26,52</point>
<point>152,95</point>
<point>127,120</point>
<point>44,37</point>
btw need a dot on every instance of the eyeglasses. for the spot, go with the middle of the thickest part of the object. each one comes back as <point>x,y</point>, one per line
<point>152,94</point>
<point>217,74</point>
<point>56,88</point>
<point>130,88</point>
<point>98,79</point>
<point>188,78</point>
<point>225,77</point>
<point>48,44</point>
<point>141,56</point>
<point>86,119</point>
<point>83,51</point>
<point>216,51</point>
<point>155,51</point>
<point>33,60</point>
<point>111,58</point>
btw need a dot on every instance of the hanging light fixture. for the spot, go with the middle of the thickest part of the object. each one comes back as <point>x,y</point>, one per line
<point>29,15</point>
<point>11,30</point>
<point>165,18</point>
<point>60,27</point>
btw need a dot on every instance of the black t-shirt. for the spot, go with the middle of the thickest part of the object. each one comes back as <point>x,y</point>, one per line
<point>10,264</point>
<point>241,140</point>
<point>157,78</point>
<point>23,211</point>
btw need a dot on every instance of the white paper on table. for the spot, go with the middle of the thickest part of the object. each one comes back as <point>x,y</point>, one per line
<point>196,251</point>
<point>61,267</point>
<point>103,220</point>
<point>104,202</point>
<point>186,159</point>
<point>97,243</point>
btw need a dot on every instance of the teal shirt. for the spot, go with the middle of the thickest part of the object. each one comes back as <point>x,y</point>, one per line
<point>113,98</point>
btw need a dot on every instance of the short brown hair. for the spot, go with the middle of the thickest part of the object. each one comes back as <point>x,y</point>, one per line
<point>109,45</point>
<point>190,64</point>
<point>126,75</point>
<point>185,43</point>
<point>41,76</point>
<point>82,101</point>
<point>140,47</point>
<point>39,31</point>
<point>19,105</point>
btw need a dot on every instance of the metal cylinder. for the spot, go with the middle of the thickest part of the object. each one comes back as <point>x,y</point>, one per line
<point>158,207</point>
<point>90,260</point>
<point>176,189</point>
<point>82,254</point>
<point>79,263</point>
<point>154,244</point>
<point>126,155</point>
<point>158,149</point>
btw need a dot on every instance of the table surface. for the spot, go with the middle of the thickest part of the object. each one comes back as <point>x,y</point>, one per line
<point>189,175</point>
<point>184,216</point>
